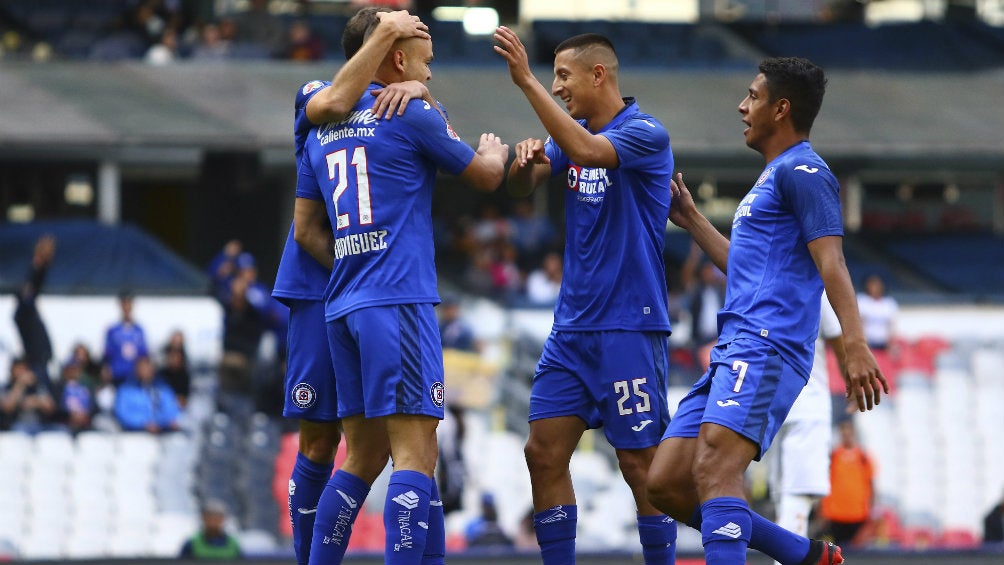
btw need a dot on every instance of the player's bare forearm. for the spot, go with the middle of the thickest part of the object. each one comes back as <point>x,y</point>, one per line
<point>582,147</point>
<point>684,213</point>
<point>865,381</point>
<point>486,171</point>
<point>311,230</point>
<point>529,168</point>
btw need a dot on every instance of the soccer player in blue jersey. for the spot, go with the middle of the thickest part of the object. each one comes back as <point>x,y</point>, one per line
<point>310,394</point>
<point>373,180</point>
<point>785,247</point>
<point>606,359</point>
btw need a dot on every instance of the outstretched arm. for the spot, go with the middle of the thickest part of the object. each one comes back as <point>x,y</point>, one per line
<point>582,147</point>
<point>334,102</point>
<point>865,382</point>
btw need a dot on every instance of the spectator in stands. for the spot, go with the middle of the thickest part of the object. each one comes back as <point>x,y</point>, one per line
<point>993,524</point>
<point>878,313</point>
<point>507,280</point>
<point>248,309</point>
<point>302,44</point>
<point>531,233</point>
<point>485,531</point>
<point>704,286</point>
<point>174,370</point>
<point>225,265</point>
<point>125,342</point>
<point>90,370</point>
<point>212,46</point>
<point>258,26</point>
<point>454,330</point>
<point>145,403</point>
<point>451,470</point>
<point>848,506</point>
<point>544,282</point>
<point>76,401</point>
<point>212,540</point>
<point>165,50</point>
<point>27,404</point>
<point>31,328</point>
<point>104,402</point>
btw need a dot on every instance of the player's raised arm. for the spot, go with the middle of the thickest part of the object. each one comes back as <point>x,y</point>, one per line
<point>486,171</point>
<point>335,101</point>
<point>582,147</point>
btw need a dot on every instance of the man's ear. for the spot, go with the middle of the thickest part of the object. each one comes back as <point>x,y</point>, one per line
<point>782,109</point>
<point>599,74</point>
<point>399,59</point>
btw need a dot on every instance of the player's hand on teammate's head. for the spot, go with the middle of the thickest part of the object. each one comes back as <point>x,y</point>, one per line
<point>514,52</point>
<point>404,25</point>
<point>393,98</point>
<point>531,151</point>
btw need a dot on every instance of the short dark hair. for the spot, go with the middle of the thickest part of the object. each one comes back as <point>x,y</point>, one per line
<point>801,82</point>
<point>580,42</point>
<point>358,28</point>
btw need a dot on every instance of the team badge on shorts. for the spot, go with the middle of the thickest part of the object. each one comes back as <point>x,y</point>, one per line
<point>438,394</point>
<point>304,396</point>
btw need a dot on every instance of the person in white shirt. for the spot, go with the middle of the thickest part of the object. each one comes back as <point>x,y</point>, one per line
<point>798,463</point>
<point>878,312</point>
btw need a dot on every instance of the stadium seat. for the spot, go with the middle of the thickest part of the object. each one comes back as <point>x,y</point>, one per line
<point>56,447</point>
<point>15,447</point>
<point>85,545</point>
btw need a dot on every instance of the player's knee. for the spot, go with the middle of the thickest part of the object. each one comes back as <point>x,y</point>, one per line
<point>633,467</point>
<point>320,443</point>
<point>540,459</point>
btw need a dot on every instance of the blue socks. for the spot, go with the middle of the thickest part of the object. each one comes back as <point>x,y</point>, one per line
<point>658,539</point>
<point>336,511</point>
<point>406,517</point>
<point>768,538</point>
<point>305,486</point>
<point>555,528</point>
<point>725,530</point>
<point>435,544</point>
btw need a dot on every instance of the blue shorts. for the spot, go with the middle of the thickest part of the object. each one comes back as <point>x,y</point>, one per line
<point>310,378</point>
<point>748,388</point>
<point>613,379</point>
<point>389,360</point>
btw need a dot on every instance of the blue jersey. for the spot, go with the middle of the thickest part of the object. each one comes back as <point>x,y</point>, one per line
<point>614,272</point>
<point>773,286</point>
<point>124,343</point>
<point>300,276</point>
<point>376,179</point>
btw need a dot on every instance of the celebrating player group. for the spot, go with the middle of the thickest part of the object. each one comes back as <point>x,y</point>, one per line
<point>358,272</point>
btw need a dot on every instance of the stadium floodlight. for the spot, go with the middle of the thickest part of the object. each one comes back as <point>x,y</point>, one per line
<point>476,20</point>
